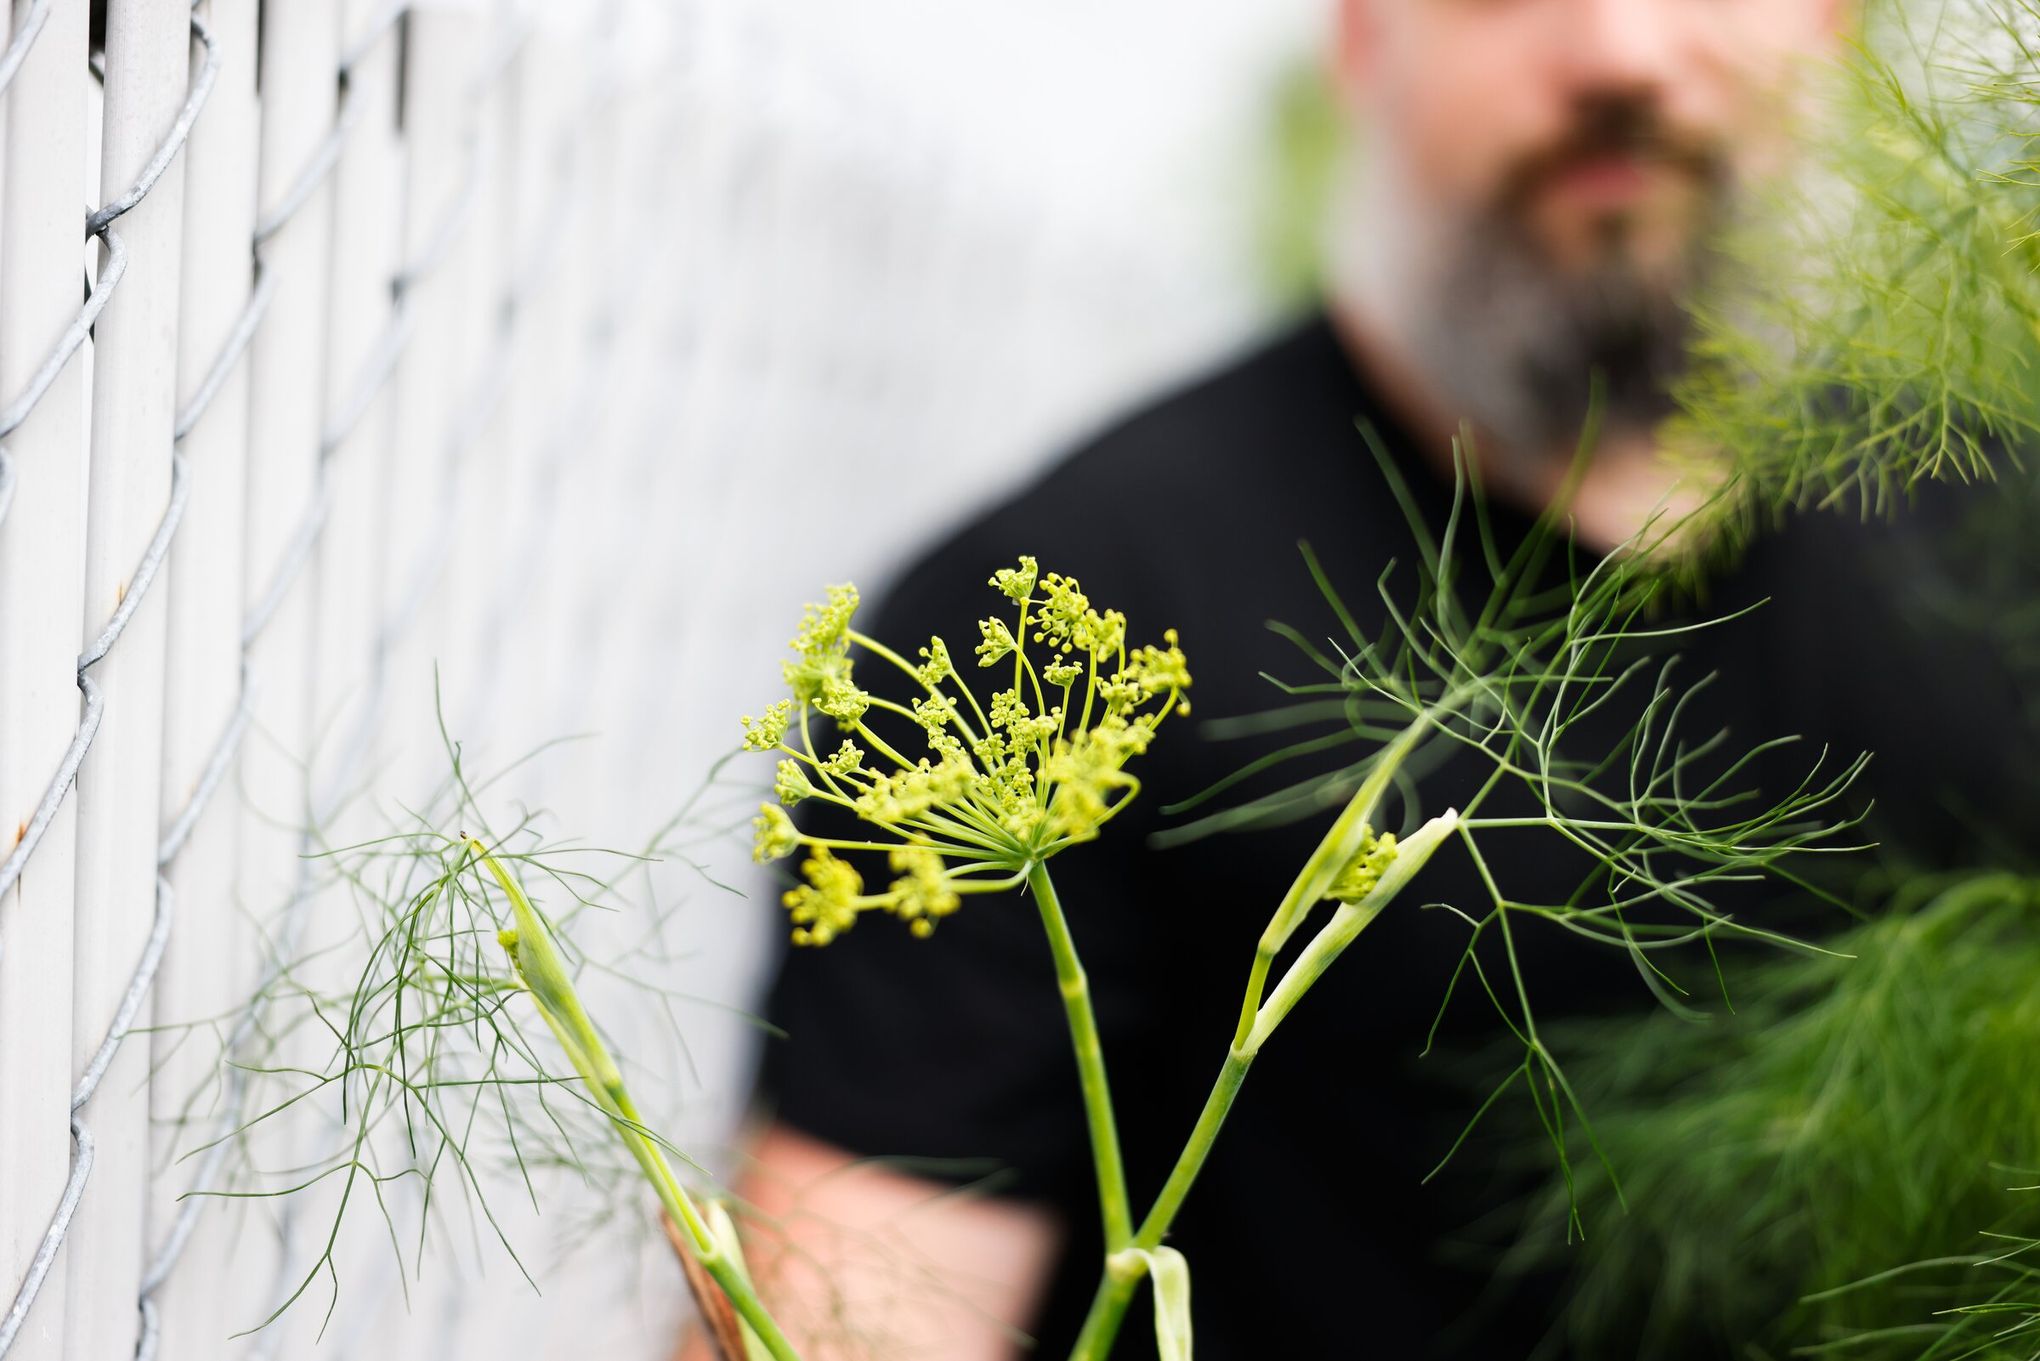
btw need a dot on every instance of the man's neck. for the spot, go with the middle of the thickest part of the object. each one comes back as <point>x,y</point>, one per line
<point>1627,488</point>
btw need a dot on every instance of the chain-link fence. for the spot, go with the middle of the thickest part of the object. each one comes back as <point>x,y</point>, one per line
<point>352,296</point>
<point>437,343</point>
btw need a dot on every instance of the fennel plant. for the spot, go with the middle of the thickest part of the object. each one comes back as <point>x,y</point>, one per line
<point>1009,783</point>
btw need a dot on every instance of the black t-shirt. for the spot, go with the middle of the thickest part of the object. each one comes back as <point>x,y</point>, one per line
<point>1312,1231</point>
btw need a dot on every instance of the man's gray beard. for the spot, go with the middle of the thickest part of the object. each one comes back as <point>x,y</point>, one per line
<point>1512,343</point>
<point>1518,345</point>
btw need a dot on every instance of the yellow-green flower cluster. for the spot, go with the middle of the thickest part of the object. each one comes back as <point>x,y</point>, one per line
<point>1360,876</point>
<point>822,648</point>
<point>763,734</point>
<point>1002,785</point>
<point>924,892</point>
<point>828,903</point>
<point>774,835</point>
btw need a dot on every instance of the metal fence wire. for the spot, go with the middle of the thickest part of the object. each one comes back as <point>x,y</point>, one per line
<point>401,190</point>
<point>478,357</point>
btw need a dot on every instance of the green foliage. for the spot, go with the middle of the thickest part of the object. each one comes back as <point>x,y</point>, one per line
<point>404,1070</point>
<point>1856,1110</point>
<point>1885,326</point>
<point>1522,666</point>
<point>1826,1170</point>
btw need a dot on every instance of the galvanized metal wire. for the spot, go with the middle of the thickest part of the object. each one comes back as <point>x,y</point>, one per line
<point>442,244</point>
<point>24,38</point>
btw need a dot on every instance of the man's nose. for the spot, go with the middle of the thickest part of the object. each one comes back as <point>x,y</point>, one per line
<point>1620,46</point>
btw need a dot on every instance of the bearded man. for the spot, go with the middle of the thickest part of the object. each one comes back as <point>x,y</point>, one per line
<point>1531,195</point>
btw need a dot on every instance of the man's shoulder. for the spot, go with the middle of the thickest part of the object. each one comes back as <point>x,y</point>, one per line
<point>1122,509</point>
<point>1256,408</point>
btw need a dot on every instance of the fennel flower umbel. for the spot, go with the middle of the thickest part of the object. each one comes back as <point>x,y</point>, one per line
<point>1001,787</point>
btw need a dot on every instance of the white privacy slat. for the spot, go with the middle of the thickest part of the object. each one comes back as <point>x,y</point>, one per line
<point>299,59</point>
<point>661,335</point>
<point>366,336</point>
<point>710,362</point>
<point>594,295</point>
<point>490,265</point>
<point>119,784</point>
<point>437,388</point>
<point>546,408</point>
<point>41,577</point>
<point>603,565</point>
<point>549,543</point>
<point>286,364</point>
<point>544,201</point>
<point>212,958</point>
<point>439,373</point>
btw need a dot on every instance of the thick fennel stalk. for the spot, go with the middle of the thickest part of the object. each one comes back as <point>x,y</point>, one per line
<point>1076,994</point>
<point>544,974</point>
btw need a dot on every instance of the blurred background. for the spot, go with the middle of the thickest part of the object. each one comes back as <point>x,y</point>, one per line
<point>547,357</point>
<point>930,249</point>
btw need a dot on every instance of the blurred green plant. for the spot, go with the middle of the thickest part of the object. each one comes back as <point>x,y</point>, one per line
<point>1864,1105</point>
<point>1814,1173</point>
<point>1305,135</point>
<point>1884,324</point>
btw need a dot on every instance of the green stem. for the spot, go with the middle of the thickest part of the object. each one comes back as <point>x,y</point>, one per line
<point>880,745</point>
<point>1349,921</point>
<point>1258,1021</point>
<point>1076,992</point>
<point>726,1272</point>
<point>1330,942</point>
<point>750,1308</point>
<point>872,645</point>
<point>1231,1076</point>
<point>1108,1312</point>
<point>541,970</point>
<point>1116,1289</point>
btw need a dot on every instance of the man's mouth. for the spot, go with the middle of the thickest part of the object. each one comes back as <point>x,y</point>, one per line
<point>1607,180</point>
<point>1615,160</point>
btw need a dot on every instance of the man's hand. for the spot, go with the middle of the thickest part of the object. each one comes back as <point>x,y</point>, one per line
<point>859,1261</point>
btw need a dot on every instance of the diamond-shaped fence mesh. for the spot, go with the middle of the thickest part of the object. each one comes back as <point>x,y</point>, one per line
<point>328,237</point>
<point>525,360</point>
